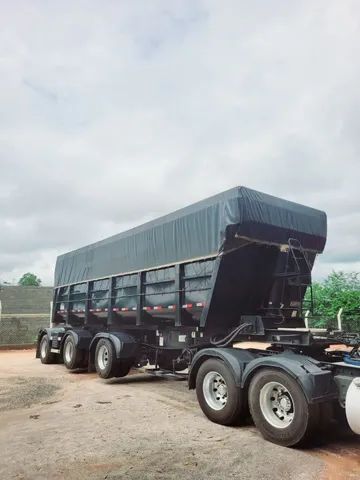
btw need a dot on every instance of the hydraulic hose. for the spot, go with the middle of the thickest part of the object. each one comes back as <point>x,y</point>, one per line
<point>223,342</point>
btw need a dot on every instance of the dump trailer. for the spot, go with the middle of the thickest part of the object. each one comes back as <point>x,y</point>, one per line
<point>178,292</point>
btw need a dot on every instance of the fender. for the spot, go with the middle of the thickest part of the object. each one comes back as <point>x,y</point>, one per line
<point>317,382</point>
<point>53,333</point>
<point>235,359</point>
<point>82,338</point>
<point>125,345</point>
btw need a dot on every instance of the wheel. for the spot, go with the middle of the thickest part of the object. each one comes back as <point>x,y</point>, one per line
<point>106,363</point>
<point>45,351</point>
<point>219,397</point>
<point>105,358</point>
<point>280,410</point>
<point>72,356</point>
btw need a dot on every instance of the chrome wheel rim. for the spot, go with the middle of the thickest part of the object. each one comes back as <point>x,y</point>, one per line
<point>69,351</point>
<point>277,405</point>
<point>103,357</point>
<point>215,390</point>
<point>43,348</point>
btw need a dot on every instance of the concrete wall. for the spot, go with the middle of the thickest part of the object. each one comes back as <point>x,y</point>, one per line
<point>24,311</point>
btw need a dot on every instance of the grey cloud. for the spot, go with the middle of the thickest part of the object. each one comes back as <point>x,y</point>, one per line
<point>116,114</point>
<point>40,90</point>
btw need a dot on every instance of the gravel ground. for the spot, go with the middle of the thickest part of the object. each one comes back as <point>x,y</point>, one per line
<point>22,392</point>
<point>54,424</point>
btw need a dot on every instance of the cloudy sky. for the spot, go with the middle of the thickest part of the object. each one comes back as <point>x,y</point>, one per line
<point>113,113</point>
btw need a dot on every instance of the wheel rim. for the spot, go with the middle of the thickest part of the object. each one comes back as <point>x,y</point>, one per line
<point>43,348</point>
<point>69,351</point>
<point>277,405</point>
<point>103,357</point>
<point>215,390</point>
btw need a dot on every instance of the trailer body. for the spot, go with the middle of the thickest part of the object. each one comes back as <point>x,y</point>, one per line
<point>178,291</point>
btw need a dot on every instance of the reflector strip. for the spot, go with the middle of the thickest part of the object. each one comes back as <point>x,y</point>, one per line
<point>199,304</point>
<point>133,308</point>
<point>158,307</point>
<point>116,309</point>
<point>187,305</point>
<point>172,307</point>
<point>146,308</point>
<point>124,309</point>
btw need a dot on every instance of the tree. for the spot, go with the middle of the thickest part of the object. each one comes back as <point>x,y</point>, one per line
<point>338,290</point>
<point>29,280</point>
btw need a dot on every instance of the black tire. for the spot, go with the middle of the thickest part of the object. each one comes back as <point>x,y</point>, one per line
<point>122,369</point>
<point>105,358</point>
<point>232,410</point>
<point>112,367</point>
<point>45,351</point>
<point>305,416</point>
<point>73,357</point>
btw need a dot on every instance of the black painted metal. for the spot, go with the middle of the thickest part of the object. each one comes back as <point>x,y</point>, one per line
<point>68,314</point>
<point>140,297</point>
<point>87,303</point>
<point>240,282</point>
<point>110,301</point>
<point>178,294</point>
<point>205,311</point>
<point>54,309</point>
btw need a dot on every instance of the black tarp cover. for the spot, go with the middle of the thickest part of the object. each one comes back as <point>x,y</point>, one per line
<point>197,231</point>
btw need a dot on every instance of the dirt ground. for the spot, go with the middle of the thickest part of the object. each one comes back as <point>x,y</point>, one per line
<point>55,424</point>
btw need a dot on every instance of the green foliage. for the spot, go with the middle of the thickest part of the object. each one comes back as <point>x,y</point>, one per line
<point>29,280</point>
<point>338,290</point>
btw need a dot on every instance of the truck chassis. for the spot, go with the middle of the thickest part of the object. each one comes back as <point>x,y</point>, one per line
<point>292,388</point>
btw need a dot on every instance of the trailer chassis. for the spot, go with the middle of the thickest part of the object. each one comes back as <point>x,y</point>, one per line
<point>301,375</point>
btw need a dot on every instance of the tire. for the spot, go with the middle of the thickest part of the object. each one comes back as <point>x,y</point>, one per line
<point>122,369</point>
<point>73,357</point>
<point>218,396</point>
<point>280,409</point>
<point>46,356</point>
<point>105,358</point>
<point>106,363</point>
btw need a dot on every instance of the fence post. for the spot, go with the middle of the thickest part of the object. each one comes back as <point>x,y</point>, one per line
<point>339,319</point>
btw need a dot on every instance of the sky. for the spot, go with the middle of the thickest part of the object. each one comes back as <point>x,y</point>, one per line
<point>113,113</point>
